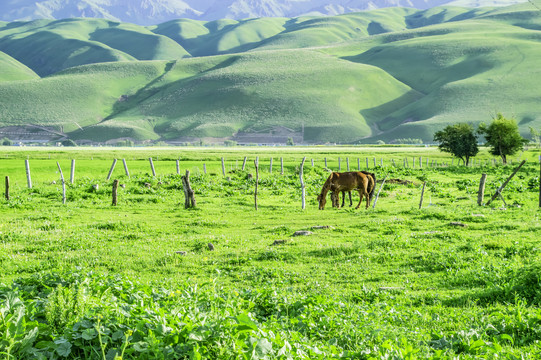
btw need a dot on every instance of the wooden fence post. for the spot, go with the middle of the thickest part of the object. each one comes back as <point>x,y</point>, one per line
<point>358,164</point>
<point>28,177</point>
<point>256,182</point>
<point>111,170</point>
<point>481,193</point>
<point>152,167</point>
<point>420,162</point>
<point>366,163</point>
<point>498,192</point>
<point>7,188</point>
<point>339,167</point>
<point>189,200</point>
<point>303,187</point>
<point>178,166</point>
<point>326,163</point>
<point>377,195</point>
<point>381,161</point>
<point>115,191</point>
<point>375,163</point>
<point>72,173</point>
<point>540,181</point>
<point>270,166</point>
<point>422,195</point>
<point>204,168</point>
<point>347,163</point>
<point>312,162</point>
<point>244,163</point>
<point>126,168</point>
<point>223,167</point>
<point>63,183</point>
<point>281,166</point>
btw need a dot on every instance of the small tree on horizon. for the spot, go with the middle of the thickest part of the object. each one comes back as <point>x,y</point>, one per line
<point>502,136</point>
<point>459,140</point>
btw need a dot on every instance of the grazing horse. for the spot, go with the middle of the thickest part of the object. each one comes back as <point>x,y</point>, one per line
<point>337,182</point>
<point>371,189</point>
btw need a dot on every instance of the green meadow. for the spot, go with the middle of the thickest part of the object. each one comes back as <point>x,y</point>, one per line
<point>384,75</point>
<point>139,280</point>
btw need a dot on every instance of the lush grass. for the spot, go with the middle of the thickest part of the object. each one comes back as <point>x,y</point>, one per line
<point>391,281</point>
<point>13,70</point>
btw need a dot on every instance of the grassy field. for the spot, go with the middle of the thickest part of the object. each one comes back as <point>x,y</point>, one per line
<point>89,280</point>
<point>357,78</point>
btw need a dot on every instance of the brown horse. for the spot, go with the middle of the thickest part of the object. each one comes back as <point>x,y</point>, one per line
<point>371,189</point>
<point>354,180</point>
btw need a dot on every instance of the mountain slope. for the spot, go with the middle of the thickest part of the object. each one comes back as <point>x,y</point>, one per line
<point>76,98</point>
<point>237,93</point>
<point>468,71</point>
<point>50,46</point>
<point>150,12</point>
<point>13,70</point>
<point>381,75</point>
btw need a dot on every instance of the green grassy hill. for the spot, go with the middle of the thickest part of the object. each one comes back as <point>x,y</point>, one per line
<point>50,46</point>
<point>217,96</point>
<point>467,70</point>
<point>13,70</point>
<point>75,98</point>
<point>379,75</point>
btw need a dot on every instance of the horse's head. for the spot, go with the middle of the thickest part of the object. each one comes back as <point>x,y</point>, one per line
<point>322,199</point>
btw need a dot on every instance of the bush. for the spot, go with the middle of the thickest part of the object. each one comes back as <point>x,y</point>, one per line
<point>68,142</point>
<point>408,141</point>
<point>6,142</point>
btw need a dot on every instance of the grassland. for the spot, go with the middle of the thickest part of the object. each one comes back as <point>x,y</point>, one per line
<point>379,75</point>
<point>394,281</point>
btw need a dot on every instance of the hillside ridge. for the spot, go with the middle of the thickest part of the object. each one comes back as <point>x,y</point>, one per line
<point>389,75</point>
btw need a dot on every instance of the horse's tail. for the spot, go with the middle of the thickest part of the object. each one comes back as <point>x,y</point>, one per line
<point>374,186</point>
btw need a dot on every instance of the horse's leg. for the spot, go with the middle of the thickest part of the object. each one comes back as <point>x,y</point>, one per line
<point>360,199</point>
<point>343,198</point>
<point>365,188</point>
<point>337,198</point>
<point>350,200</point>
<point>367,200</point>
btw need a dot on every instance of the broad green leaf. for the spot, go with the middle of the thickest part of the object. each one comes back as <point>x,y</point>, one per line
<point>262,349</point>
<point>89,334</point>
<point>117,335</point>
<point>245,323</point>
<point>64,349</point>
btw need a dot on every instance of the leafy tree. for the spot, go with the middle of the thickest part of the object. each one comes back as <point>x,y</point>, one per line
<point>290,141</point>
<point>6,142</point>
<point>502,136</point>
<point>459,140</point>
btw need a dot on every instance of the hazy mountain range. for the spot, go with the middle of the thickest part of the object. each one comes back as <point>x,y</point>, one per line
<point>150,12</point>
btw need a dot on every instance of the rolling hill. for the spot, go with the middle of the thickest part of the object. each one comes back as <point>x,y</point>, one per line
<point>384,75</point>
